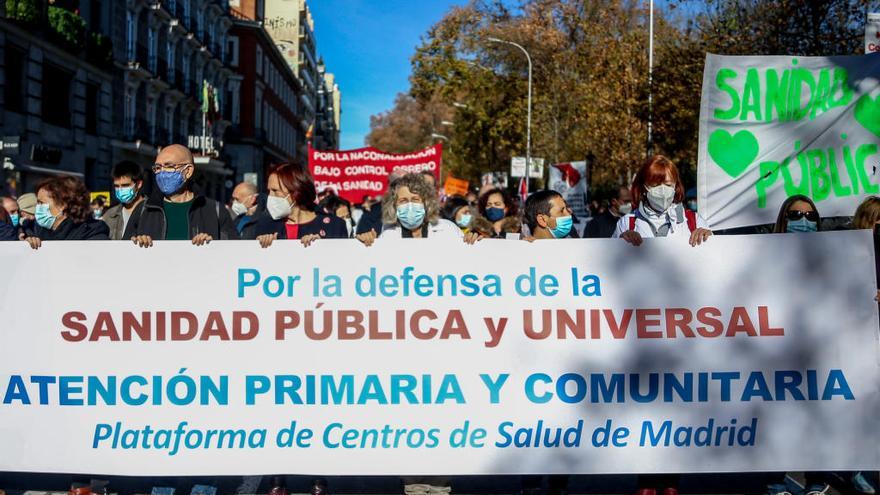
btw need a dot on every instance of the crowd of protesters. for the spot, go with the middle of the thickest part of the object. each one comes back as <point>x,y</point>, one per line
<point>164,205</point>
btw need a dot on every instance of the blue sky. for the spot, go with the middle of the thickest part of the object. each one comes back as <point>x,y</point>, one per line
<point>368,44</point>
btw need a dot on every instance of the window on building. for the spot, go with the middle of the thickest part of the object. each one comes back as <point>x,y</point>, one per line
<point>95,9</point>
<point>258,109</point>
<point>259,61</point>
<point>232,49</point>
<point>91,175</point>
<point>56,95</point>
<point>92,109</point>
<point>130,34</point>
<point>13,89</point>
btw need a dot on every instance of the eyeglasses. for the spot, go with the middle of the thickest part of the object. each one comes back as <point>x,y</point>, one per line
<point>795,215</point>
<point>169,167</point>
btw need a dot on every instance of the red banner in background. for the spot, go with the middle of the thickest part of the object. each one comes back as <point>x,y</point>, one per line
<point>354,174</point>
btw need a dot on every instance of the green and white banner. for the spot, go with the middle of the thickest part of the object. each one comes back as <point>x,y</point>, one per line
<point>772,127</point>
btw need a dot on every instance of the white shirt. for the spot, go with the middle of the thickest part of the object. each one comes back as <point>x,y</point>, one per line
<point>443,229</point>
<point>649,221</point>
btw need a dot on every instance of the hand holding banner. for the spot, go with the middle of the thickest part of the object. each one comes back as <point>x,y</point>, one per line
<point>748,353</point>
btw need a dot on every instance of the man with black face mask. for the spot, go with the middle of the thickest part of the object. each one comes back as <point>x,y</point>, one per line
<point>174,211</point>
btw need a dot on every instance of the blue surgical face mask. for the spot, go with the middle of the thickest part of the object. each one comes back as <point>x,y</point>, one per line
<point>494,214</point>
<point>44,217</point>
<point>15,219</point>
<point>170,182</point>
<point>563,226</point>
<point>411,215</point>
<point>801,225</point>
<point>125,195</point>
<point>464,221</point>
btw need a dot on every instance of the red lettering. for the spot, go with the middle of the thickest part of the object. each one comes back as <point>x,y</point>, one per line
<point>238,318</point>
<point>284,321</point>
<point>709,316</point>
<point>351,325</point>
<point>740,321</point>
<point>529,328</point>
<point>415,324</point>
<point>643,322</point>
<point>679,318</point>
<point>618,331</point>
<point>764,324</point>
<point>76,332</point>
<point>104,327</point>
<point>177,331</point>
<point>214,327</point>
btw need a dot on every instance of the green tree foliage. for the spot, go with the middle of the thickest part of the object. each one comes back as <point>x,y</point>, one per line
<point>590,75</point>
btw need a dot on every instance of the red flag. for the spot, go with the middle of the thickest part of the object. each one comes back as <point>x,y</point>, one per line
<point>523,190</point>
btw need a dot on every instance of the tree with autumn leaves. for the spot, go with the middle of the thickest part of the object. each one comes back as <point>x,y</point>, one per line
<point>590,79</point>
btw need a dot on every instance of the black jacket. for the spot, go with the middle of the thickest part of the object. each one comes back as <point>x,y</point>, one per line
<point>326,226</point>
<point>90,230</point>
<point>601,226</point>
<point>8,232</point>
<point>206,216</point>
<point>249,230</point>
<point>370,220</point>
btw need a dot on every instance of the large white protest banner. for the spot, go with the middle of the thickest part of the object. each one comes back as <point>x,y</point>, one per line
<point>773,127</point>
<point>747,353</point>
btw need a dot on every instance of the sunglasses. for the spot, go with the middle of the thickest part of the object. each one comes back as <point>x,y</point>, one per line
<point>795,215</point>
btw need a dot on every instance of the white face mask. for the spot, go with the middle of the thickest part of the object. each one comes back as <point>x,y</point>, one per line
<point>278,207</point>
<point>238,208</point>
<point>625,208</point>
<point>660,197</point>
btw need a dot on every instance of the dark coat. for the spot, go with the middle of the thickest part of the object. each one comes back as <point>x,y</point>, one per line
<point>326,226</point>
<point>206,216</point>
<point>249,230</point>
<point>8,232</point>
<point>90,230</point>
<point>113,219</point>
<point>370,220</point>
<point>601,226</point>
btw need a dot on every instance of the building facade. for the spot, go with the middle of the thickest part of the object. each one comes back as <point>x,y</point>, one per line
<point>326,133</point>
<point>56,108</point>
<point>291,26</point>
<point>129,81</point>
<point>130,76</point>
<point>270,130</point>
<point>168,50</point>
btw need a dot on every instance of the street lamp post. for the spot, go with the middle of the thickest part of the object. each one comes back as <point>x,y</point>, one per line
<point>529,116</point>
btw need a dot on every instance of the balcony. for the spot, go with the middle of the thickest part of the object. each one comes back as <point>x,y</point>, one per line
<point>162,69</point>
<point>142,54</point>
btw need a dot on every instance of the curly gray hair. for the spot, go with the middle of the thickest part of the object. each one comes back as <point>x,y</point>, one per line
<point>416,185</point>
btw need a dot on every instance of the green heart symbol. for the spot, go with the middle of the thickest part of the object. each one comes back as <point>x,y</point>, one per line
<point>868,113</point>
<point>734,153</point>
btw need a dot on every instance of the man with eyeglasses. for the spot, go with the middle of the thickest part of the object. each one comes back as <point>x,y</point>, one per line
<point>174,212</point>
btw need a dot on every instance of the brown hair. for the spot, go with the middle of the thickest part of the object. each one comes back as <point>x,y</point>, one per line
<point>867,214</point>
<point>782,221</point>
<point>512,209</point>
<point>653,171</point>
<point>298,182</point>
<point>69,194</point>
